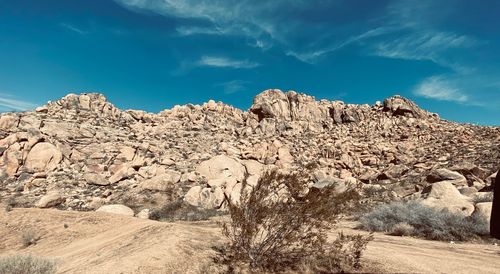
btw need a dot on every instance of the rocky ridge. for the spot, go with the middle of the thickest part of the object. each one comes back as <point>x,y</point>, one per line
<point>81,152</point>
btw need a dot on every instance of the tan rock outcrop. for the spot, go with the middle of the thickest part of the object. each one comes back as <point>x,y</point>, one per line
<point>116,209</point>
<point>445,195</point>
<point>43,157</point>
<point>51,199</point>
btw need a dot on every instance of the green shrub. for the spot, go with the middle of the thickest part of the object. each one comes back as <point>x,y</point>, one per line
<point>180,211</point>
<point>21,264</point>
<point>425,222</point>
<point>278,226</point>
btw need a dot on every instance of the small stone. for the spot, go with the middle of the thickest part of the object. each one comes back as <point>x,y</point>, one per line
<point>95,179</point>
<point>143,214</point>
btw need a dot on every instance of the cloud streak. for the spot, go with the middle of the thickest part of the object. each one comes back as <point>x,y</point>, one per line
<point>228,17</point>
<point>224,62</point>
<point>424,45</point>
<point>73,28</point>
<point>7,103</point>
<point>438,88</point>
<point>312,57</point>
<point>194,30</point>
<point>234,86</point>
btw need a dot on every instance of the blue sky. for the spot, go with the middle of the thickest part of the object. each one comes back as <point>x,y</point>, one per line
<point>154,54</point>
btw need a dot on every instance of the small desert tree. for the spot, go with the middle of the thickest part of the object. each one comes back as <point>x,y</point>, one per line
<point>280,224</point>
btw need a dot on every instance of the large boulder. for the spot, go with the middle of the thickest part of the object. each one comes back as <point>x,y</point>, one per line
<point>443,174</point>
<point>289,106</point>
<point>483,210</point>
<point>207,198</point>
<point>122,173</point>
<point>10,160</point>
<point>116,209</point>
<point>8,122</point>
<point>43,157</point>
<point>51,199</point>
<point>161,182</point>
<point>221,166</point>
<point>254,170</point>
<point>400,106</point>
<point>95,179</point>
<point>445,195</point>
<point>271,103</point>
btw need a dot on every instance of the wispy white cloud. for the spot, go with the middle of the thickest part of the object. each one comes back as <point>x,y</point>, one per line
<point>439,88</point>
<point>193,30</point>
<point>9,103</point>
<point>229,17</point>
<point>424,45</point>
<point>404,32</point>
<point>73,28</point>
<point>313,56</point>
<point>225,62</point>
<point>234,86</point>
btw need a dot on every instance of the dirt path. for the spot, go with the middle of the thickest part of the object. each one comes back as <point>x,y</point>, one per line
<point>103,243</point>
<point>409,255</point>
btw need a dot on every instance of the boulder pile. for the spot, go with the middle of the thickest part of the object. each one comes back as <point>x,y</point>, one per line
<point>83,153</point>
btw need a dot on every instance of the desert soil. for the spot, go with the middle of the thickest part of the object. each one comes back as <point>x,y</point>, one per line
<point>90,242</point>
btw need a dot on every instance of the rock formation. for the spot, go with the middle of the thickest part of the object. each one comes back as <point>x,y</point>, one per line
<point>81,152</point>
<point>495,210</point>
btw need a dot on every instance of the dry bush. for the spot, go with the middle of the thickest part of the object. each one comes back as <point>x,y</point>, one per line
<point>180,211</point>
<point>10,203</point>
<point>21,264</point>
<point>28,238</point>
<point>426,222</point>
<point>402,229</point>
<point>278,225</point>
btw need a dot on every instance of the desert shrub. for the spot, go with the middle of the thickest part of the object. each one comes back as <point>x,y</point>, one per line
<point>22,264</point>
<point>278,225</point>
<point>402,229</point>
<point>10,203</point>
<point>426,222</point>
<point>181,211</point>
<point>28,238</point>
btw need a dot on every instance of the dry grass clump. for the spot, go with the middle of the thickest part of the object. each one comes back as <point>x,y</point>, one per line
<point>181,211</point>
<point>28,238</point>
<point>279,226</point>
<point>402,229</point>
<point>22,264</point>
<point>10,203</point>
<point>415,219</point>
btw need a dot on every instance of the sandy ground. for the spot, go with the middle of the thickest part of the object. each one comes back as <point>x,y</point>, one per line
<point>105,243</point>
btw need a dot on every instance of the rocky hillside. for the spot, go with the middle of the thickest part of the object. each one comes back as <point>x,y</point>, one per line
<point>81,152</point>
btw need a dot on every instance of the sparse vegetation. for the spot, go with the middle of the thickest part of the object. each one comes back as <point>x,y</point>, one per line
<point>279,226</point>
<point>402,229</point>
<point>8,208</point>
<point>415,219</point>
<point>10,203</point>
<point>28,238</point>
<point>180,211</point>
<point>21,264</point>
